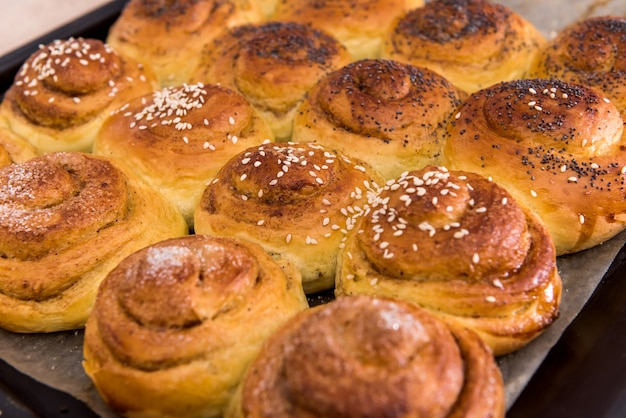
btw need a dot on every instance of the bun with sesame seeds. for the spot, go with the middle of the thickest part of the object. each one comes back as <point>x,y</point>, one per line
<point>589,52</point>
<point>389,114</point>
<point>167,36</point>
<point>473,43</point>
<point>176,323</point>
<point>358,24</point>
<point>272,65</point>
<point>176,139</point>
<point>557,147</point>
<point>460,246</point>
<point>362,356</point>
<point>66,219</point>
<point>64,91</point>
<point>295,200</point>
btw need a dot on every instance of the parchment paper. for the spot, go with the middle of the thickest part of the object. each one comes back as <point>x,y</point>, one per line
<point>55,359</point>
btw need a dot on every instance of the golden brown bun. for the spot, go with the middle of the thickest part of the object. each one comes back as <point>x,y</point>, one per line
<point>473,43</point>
<point>370,357</point>
<point>588,52</point>
<point>65,90</point>
<point>557,147</point>
<point>13,148</point>
<point>461,247</point>
<point>176,323</point>
<point>66,219</point>
<point>272,65</point>
<point>359,24</point>
<point>167,36</point>
<point>389,114</point>
<point>293,199</point>
<point>177,139</point>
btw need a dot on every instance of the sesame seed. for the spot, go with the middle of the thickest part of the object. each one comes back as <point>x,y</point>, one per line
<point>374,281</point>
<point>475,258</point>
<point>505,200</point>
<point>481,210</point>
<point>490,299</point>
<point>497,283</point>
<point>539,108</point>
<point>231,120</point>
<point>457,116</point>
<point>261,222</point>
<point>532,91</point>
<point>572,179</point>
<point>414,247</point>
<point>563,168</point>
<point>383,245</point>
<point>288,238</point>
<point>533,193</point>
<point>581,218</point>
<point>350,277</point>
<point>606,100</point>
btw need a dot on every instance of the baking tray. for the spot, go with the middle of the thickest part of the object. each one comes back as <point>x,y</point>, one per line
<point>577,368</point>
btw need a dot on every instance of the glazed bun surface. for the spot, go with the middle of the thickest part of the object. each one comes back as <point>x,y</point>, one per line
<point>176,139</point>
<point>168,36</point>
<point>364,356</point>
<point>358,24</point>
<point>389,114</point>
<point>460,246</point>
<point>556,147</point>
<point>63,93</point>
<point>66,220</point>
<point>176,323</point>
<point>472,43</point>
<point>272,65</point>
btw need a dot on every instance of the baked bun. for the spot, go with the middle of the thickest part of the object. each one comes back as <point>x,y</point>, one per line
<point>14,149</point>
<point>460,246</point>
<point>176,139</point>
<point>472,43</point>
<point>168,36</point>
<point>295,200</point>
<point>556,146</point>
<point>65,90</point>
<point>370,357</point>
<point>176,323</point>
<point>389,114</point>
<point>359,24</point>
<point>272,65</point>
<point>588,52</point>
<point>66,219</point>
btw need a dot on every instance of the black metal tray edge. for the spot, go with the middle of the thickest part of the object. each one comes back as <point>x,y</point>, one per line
<point>583,375</point>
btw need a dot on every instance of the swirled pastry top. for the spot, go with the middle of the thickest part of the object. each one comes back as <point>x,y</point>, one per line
<point>176,323</point>
<point>169,35</point>
<point>273,65</point>
<point>358,24</point>
<point>462,247</point>
<point>360,356</point>
<point>390,114</point>
<point>556,146</point>
<point>590,52</point>
<point>473,43</point>
<point>64,91</point>
<point>73,216</point>
<point>177,138</point>
<point>293,199</point>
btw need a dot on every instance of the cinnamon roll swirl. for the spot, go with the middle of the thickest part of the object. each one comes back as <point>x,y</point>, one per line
<point>557,147</point>
<point>390,114</point>
<point>65,90</point>
<point>358,24</point>
<point>176,323</point>
<point>460,246</point>
<point>66,219</point>
<point>361,356</point>
<point>472,43</point>
<point>295,200</point>
<point>167,36</point>
<point>176,139</point>
<point>272,65</point>
<point>589,52</point>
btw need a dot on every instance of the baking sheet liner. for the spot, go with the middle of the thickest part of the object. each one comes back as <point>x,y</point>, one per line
<point>55,359</point>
